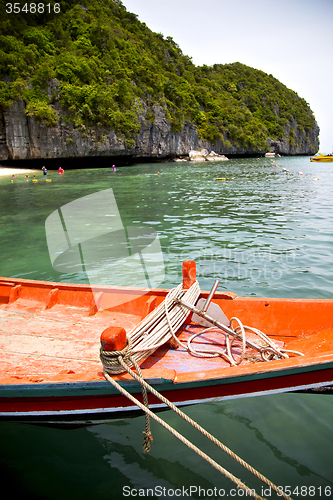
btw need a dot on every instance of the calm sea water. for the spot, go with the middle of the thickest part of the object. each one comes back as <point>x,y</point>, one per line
<point>265,231</point>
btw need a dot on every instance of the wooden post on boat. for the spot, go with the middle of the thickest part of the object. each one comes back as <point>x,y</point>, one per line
<point>113,338</point>
<point>189,273</point>
<point>189,277</point>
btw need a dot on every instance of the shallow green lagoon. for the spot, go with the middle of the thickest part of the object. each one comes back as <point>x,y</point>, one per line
<point>266,232</point>
<point>263,232</point>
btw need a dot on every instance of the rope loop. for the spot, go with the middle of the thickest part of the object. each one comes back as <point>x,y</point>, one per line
<point>111,359</point>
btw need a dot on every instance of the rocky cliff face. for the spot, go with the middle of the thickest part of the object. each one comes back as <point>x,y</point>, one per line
<point>23,137</point>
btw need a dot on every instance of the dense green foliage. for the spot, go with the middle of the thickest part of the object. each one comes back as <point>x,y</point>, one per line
<point>100,63</point>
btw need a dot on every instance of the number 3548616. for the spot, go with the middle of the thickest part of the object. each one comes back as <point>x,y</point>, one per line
<point>305,491</point>
<point>32,8</point>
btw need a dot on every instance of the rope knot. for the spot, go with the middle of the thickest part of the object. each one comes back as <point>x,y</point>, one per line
<point>147,439</point>
<point>111,359</point>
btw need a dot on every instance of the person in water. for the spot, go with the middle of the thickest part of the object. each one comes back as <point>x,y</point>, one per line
<point>114,167</point>
<point>61,170</point>
<point>44,170</point>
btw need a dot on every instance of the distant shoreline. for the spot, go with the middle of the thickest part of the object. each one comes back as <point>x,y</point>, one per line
<point>15,171</point>
<point>89,162</point>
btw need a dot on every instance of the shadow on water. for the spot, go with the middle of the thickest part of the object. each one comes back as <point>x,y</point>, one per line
<point>44,463</point>
<point>286,437</point>
<point>292,429</point>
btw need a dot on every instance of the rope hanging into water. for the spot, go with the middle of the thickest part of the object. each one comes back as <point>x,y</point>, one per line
<point>158,327</point>
<point>144,407</point>
<point>110,359</point>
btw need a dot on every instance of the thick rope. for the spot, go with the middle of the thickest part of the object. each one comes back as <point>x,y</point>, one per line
<point>209,353</point>
<point>114,361</point>
<point>227,450</point>
<point>267,348</point>
<point>183,439</point>
<point>109,360</point>
<point>163,322</point>
<point>154,330</point>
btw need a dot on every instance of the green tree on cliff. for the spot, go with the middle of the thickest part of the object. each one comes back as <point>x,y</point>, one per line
<point>100,63</point>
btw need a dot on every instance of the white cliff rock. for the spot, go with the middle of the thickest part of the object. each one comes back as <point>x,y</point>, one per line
<point>216,157</point>
<point>197,155</point>
<point>203,155</point>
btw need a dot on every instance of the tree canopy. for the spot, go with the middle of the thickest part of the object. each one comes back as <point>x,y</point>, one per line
<point>100,63</point>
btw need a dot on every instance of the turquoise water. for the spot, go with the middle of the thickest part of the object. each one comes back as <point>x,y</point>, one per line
<point>266,232</point>
<point>263,232</point>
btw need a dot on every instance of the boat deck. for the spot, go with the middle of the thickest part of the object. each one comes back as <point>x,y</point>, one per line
<point>52,333</point>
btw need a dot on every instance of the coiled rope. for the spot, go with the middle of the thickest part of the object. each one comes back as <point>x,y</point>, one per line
<point>267,348</point>
<point>154,330</point>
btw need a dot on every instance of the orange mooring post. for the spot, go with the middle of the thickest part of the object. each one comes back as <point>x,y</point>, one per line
<point>113,339</point>
<point>189,277</point>
<point>189,273</point>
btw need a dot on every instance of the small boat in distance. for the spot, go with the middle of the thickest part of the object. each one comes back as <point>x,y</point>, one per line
<point>322,157</point>
<point>50,366</point>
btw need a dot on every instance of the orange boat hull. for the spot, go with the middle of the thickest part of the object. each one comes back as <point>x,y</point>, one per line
<point>50,371</point>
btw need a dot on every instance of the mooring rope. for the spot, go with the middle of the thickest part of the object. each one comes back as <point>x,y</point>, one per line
<point>163,322</point>
<point>144,407</point>
<point>112,358</point>
<point>174,312</point>
<point>267,348</point>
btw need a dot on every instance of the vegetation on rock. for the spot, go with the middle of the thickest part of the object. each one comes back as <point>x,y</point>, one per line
<point>105,68</point>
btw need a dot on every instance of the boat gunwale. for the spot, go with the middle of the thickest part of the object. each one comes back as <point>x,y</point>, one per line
<point>70,390</point>
<point>244,374</point>
<point>219,295</point>
<point>83,287</point>
<point>71,406</point>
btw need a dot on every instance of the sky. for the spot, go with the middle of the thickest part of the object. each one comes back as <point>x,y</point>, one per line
<point>290,39</point>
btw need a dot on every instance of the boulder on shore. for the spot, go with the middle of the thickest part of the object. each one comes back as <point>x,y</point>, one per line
<point>203,155</point>
<point>198,155</point>
<point>216,157</point>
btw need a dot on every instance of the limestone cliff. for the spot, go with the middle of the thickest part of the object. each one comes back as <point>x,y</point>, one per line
<point>24,137</point>
<point>90,80</point>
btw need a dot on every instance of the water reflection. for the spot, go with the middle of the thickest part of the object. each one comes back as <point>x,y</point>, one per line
<point>266,232</point>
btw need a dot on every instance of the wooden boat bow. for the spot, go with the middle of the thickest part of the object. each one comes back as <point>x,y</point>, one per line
<point>50,333</point>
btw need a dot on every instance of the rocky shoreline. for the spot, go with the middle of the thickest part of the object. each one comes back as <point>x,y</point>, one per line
<point>24,137</point>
